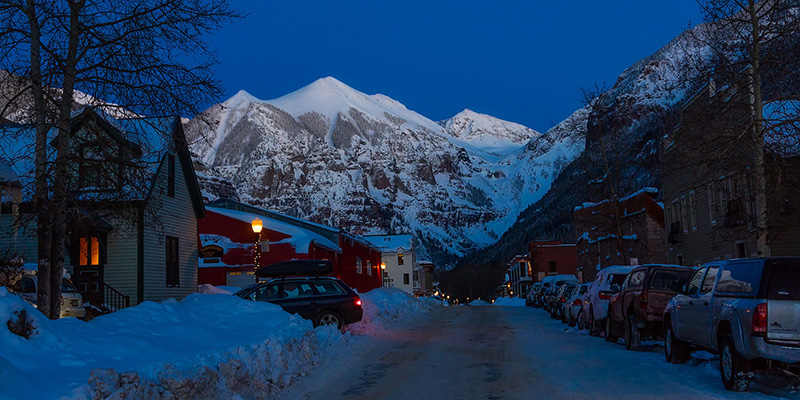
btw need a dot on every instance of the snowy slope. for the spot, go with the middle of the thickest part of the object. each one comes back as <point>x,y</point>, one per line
<point>332,154</point>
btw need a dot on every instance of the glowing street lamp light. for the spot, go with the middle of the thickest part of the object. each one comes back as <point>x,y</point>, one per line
<point>257,226</point>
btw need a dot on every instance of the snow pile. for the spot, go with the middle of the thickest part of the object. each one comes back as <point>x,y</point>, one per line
<point>479,303</point>
<point>211,289</point>
<point>205,345</point>
<point>385,306</point>
<point>509,302</point>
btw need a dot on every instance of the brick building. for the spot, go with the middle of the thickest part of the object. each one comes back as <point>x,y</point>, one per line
<point>551,258</point>
<point>643,237</point>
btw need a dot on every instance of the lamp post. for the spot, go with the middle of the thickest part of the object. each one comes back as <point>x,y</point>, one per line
<point>385,275</point>
<point>257,226</point>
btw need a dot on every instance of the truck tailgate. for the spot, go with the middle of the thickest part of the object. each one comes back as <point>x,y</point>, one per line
<point>783,302</point>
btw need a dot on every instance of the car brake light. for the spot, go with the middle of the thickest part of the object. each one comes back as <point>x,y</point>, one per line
<point>760,319</point>
<point>562,299</point>
<point>604,296</point>
<point>358,301</point>
<point>577,302</point>
<point>643,300</point>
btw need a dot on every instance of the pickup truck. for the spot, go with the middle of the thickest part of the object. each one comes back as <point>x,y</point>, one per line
<point>636,312</point>
<point>746,310</point>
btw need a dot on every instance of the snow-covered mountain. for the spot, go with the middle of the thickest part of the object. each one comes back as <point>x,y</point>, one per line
<point>332,154</point>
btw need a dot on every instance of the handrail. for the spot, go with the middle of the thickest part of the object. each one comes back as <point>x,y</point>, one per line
<point>113,299</point>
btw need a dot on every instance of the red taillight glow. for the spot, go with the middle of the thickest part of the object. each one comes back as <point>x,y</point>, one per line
<point>760,319</point>
<point>605,296</point>
<point>577,302</point>
<point>563,299</point>
<point>358,302</point>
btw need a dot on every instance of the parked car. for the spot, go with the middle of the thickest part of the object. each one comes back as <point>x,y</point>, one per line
<point>530,299</point>
<point>27,287</point>
<point>595,302</point>
<point>548,297</point>
<point>323,300</point>
<point>637,310</point>
<point>554,281</point>
<point>560,298</point>
<point>574,305</point>
<point>747,310</point>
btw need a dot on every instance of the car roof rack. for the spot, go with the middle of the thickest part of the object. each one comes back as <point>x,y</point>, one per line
<point>296,268</point>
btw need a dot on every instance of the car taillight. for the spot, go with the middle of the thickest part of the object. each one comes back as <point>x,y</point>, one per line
<point>577,302</point>
<point>760,319</point>
<point>358,301</point>
<point>604,296</point>
<point>562,299</point>
<point>643,300</point>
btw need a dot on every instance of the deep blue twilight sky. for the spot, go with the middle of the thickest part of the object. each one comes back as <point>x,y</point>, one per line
<point>523,61</point>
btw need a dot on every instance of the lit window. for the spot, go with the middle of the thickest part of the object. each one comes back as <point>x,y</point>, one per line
<point>399,259</point>
<point>89,253</point>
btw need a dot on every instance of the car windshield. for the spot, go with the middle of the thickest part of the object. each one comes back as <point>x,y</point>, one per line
<point>569,290</point>
<point>663,279</point>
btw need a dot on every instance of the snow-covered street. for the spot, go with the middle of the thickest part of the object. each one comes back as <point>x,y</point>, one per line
<point>493,352</point>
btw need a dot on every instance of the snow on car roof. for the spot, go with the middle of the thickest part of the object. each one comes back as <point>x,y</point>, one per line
<point>301,239</point>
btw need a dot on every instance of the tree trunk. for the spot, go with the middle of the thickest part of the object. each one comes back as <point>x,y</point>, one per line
<point>61,182</point>
<point>760,180</point>
<point>41,205</point>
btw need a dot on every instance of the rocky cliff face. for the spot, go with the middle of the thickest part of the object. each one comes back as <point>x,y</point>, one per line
<point>334,155</point>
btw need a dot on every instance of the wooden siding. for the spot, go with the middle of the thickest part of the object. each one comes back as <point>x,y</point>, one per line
<point>20,240</point>
<point>120,268</point>
<point>166,216</point>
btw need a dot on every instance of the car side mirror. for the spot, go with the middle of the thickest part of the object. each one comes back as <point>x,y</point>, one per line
<point>676,287</point>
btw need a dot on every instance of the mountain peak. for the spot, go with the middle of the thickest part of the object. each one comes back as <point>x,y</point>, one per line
<point>241,97</point>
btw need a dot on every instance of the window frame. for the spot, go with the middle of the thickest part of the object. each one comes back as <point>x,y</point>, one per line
<point>172,266</point>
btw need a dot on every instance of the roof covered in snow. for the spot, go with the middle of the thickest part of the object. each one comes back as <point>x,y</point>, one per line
<point>7,175</point>
<point>391,243</point>
<point>301,239</point>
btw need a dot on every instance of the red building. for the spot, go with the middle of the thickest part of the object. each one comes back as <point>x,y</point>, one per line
<point>227,244</point>
<point>552,258</point>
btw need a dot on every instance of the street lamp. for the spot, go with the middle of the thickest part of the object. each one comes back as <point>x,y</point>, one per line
<point>385,275</point>
<point>257,225</point>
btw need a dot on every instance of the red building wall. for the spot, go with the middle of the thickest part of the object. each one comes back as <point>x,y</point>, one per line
<point>354,247</point>
<point>239,257</point>
<point>565,257</point>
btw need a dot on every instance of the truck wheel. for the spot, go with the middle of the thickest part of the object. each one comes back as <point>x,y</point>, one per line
<point>736,372</point>
<point>581,320</point>
<point>609,336</point>
<point>676,351</point>
<point>633,335</point>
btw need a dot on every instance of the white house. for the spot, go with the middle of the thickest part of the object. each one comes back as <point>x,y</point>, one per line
<point>399,257</point>
<point>132,211</point>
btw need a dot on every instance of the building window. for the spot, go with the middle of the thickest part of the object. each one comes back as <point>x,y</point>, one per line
<point>369,268</point>
<point>170,175</point>
<point>173,260</point>
<point>405,279</point>
<point>676,213</point>
<point>89,251</point>
<point>684,214</point>
<point>399,259</point>
<point>712,203</point>
<point>358,265</point>
<point>553,266</point>
<point>693,210</point>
